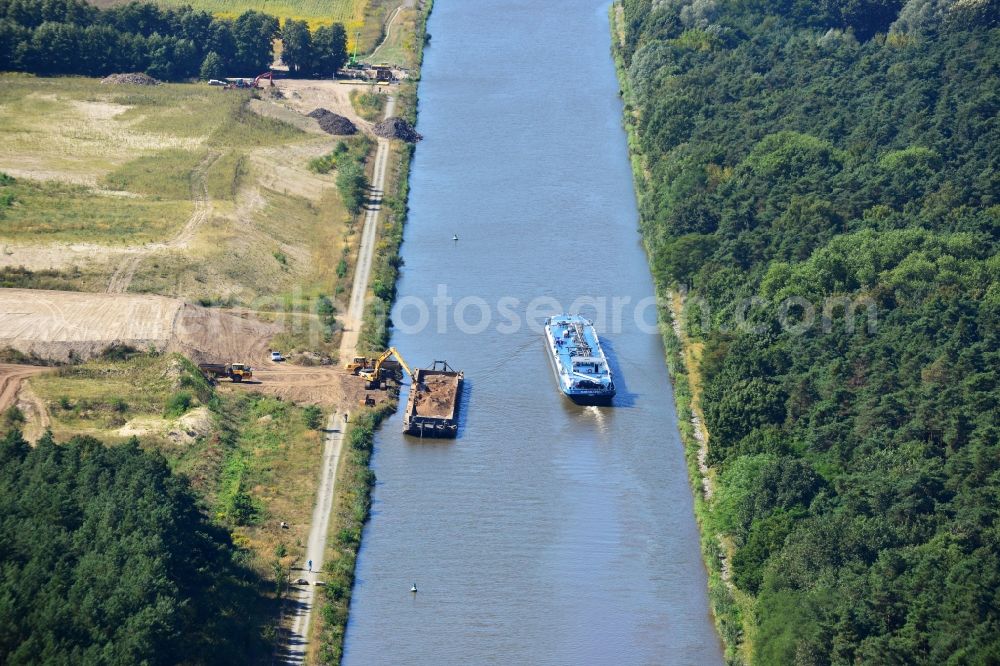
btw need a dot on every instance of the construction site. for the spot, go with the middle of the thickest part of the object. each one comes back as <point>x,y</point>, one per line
<point>206,257</point>
<point>152,223</point>
<point>174,267</point>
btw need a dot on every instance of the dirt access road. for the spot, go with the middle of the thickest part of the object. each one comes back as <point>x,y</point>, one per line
<point>122,277</point>
<point>303,598</point>
<point>14,392</point>
<point>390,29</point>
<point>11,376</point>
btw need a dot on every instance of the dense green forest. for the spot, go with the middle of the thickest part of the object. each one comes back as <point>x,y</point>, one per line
<point>73,37</point>
<point>824,178</point>
<point>105,558</point>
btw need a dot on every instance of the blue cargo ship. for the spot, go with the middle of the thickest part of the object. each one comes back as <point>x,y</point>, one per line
<point>581,369</point>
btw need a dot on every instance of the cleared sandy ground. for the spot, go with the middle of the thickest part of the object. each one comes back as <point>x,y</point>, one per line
<point>51,324</point>
<point>61,325</point>
<point>56,324</point>
<point>58,256</point>
<point>321,385</point>
<point>305,95</point>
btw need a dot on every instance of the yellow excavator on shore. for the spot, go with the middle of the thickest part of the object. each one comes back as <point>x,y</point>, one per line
<point>374,375</point>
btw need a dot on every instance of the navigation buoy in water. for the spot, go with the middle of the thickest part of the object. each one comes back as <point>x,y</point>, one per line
<point>414,588</point>
<point>454,237</point>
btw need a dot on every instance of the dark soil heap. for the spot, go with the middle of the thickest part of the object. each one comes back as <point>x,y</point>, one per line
<point>134,79</point>
<point>397,128</point>
<point>331,123</point>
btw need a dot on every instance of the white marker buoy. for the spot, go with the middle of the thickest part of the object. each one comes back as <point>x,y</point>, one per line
<point>414,588</point>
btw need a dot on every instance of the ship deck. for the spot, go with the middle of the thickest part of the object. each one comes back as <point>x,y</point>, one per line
<point>581,352</point>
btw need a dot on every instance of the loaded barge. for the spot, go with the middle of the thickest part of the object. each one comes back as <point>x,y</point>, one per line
<point>581,369</point>
<point>432,408</point>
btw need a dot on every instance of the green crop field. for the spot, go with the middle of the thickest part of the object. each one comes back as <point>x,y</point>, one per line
<point>317,12</point>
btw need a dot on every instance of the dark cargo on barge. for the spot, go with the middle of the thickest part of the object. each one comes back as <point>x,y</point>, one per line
<point>432,408</point>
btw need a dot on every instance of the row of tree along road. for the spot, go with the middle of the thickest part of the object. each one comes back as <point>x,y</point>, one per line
<point>73,37</point>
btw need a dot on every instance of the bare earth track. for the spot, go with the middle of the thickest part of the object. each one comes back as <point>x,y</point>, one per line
<point>122,277</point>
<point>11,377</point>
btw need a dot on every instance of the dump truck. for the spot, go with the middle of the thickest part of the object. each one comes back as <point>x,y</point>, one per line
<point>237,372</point>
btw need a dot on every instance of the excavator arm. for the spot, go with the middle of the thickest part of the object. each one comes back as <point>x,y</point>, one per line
<point>399,357</point>
<point>266,75</point>
<point>376,371</point>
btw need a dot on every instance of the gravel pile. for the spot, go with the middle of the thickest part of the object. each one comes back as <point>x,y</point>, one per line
<point>134,79</point>
<point>396,128</point>
<point>331,123</point>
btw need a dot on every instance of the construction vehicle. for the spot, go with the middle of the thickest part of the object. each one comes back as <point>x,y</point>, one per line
<point>358,363</point>
<point>374,375</point>
<point>237,372</point>
<point>246,84</point>
<point>383,74</point>
<point>353,61</point>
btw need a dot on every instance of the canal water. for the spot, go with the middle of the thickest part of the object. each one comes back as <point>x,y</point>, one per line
<point>547,533</point>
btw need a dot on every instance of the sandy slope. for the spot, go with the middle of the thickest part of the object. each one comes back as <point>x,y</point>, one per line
<point>56,324</point>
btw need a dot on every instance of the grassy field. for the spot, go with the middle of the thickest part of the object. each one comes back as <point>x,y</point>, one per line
<point>351,13</point>
<point>399,48</point>
<point>266,475</point>
<point>369,103</point>
<point>73,279</point>
<point>42,212</point>
<point>121,166</point>
<point>223,177</point>
<point>116,398</point>
<point>77,130</point>
<point>165,174</point>
<point>280,257</point>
